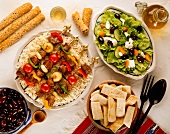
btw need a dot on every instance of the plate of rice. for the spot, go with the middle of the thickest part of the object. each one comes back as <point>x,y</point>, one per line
<point>54,69</point>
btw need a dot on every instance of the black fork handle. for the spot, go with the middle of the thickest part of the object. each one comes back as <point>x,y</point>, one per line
<point>142,119</point>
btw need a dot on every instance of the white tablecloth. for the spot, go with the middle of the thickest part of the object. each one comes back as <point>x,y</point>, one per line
<point>66,120</point>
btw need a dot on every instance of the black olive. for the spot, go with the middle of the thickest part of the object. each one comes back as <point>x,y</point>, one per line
<point>15,111</point>
<point>139,29</point>
<point>101,40</point>
<point>109,43</point>
<point>15,96</point>
<point>112,29</point>
<point>3,123</point>
<point>2,99</point>
<point>14,119</point>
<point>2,116</point>
<point>131,51</point>
<point>2,130</point>
<point>117,15</point>
<point>9,118</point>
<point>15,124</point>
<point>11,92</point>
<point>10,126</point>
<point>20,101</point>
<point>4,92</point>
<point>14,104</point>
<point>9,98</point>
<point>19,121</point>
<point>23,113</point>
<point>140,59</point>
<point>20,109</point>
<point>133,36</point>
<point>5,111</point>
<point>124,57</point>
<point>6,105</point>
<point>10,106</point>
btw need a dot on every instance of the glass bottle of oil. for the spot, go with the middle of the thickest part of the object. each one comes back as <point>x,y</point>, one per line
<point>155,16</point>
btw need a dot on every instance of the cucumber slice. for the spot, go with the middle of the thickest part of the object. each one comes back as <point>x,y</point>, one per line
<point>117,34</point>
<point>136,72</point>
<point>143,45</point>
<point>117,53</point>
<point>140,67</point>
<point>97,29</point>
<point>111,57</point>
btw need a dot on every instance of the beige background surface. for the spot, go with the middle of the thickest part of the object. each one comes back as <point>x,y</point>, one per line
<point>66,120</point>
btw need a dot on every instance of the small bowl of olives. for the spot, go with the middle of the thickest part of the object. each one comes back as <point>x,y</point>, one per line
<point>14,112</point>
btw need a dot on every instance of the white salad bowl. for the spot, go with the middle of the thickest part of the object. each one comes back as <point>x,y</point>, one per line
<point>147,33</point>
<point>21,87</point>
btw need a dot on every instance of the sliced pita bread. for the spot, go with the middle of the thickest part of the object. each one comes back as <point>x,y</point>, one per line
<point>99,98</point>
<point>96,111</point>
<point>117,124</point>
<point>111,109</point>
<point>120,109</point>
<point>129,116</point>
<point>131,100</point>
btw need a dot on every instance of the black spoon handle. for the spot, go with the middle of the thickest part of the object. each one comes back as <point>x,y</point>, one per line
<point>142,119</point>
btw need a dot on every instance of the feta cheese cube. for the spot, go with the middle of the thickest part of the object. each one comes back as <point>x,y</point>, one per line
<point>128,45</point>
<point>142,54</point>
<point>120,54</point>
<point>131,64</point>
<point>107,24</point>
<point>114,41</point>
<point>122,20</point>
<point>130,40</point>
<point>126,34</point>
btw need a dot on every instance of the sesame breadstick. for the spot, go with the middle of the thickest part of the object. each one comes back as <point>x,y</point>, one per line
<point>18,12</point>
<point>14,26</point>
<point>86,17</point>
<point>79,22</point>
<point>21,32</point>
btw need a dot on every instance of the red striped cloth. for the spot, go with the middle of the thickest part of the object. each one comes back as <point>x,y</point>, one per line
<point>148,127</point>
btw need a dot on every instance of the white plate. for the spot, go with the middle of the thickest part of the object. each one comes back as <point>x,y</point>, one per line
<point>20,88</point>
<point>152,65</point>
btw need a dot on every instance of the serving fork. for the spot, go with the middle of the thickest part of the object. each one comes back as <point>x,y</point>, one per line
<point>147,85</point>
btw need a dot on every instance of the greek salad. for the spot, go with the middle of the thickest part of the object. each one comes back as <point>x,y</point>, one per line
<point>123,42</point>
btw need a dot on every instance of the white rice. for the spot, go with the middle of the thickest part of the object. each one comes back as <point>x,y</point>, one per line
<point>77,90</point>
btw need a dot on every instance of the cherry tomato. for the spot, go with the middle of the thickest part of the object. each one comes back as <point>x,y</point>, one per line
<point>45,88</point>
<point>54,58</point>
<point>55,34</point>
<point>72,79</point>
<point>27,68</point>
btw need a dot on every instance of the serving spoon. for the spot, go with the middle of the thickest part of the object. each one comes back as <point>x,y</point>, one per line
<point>156,94</point>
<point>37,117</point>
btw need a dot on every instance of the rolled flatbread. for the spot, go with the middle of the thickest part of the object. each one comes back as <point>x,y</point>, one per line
<point>21,32</point>
<point>86,17</point>
<point>14,26</point>
<point>79,22</point>
<point>18,12</point>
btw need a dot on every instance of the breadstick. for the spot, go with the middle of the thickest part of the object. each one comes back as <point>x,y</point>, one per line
<point>86,17</point>
<point>14,26</point>
<point>79,22</point>
<point>18,12</point>
<point>21,32</point>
